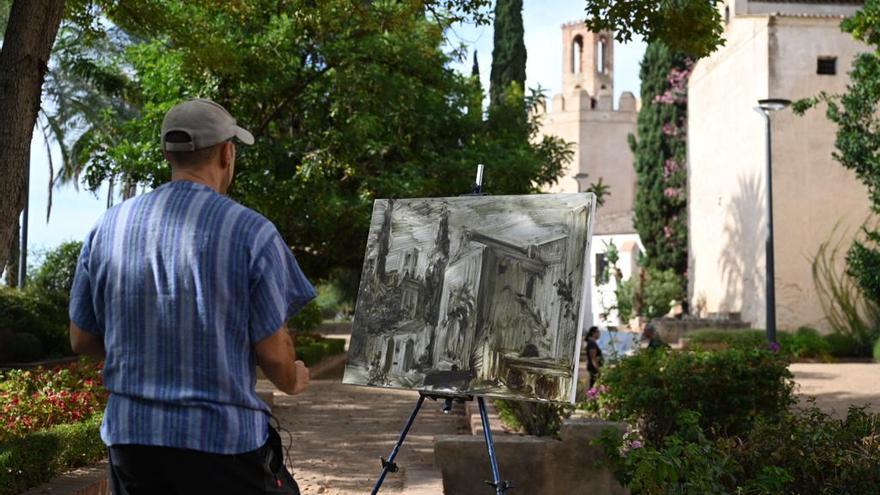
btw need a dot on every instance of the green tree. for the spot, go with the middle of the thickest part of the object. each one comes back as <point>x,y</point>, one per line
<point>660,159</point>
<point>858,138</point>
<point>687,26</point>
<point>508,51</point>
<point>349,101</point>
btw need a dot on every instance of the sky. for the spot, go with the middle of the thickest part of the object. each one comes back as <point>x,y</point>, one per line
<point>75,212</point>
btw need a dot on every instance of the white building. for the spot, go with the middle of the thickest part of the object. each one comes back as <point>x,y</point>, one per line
<point>780,49</point>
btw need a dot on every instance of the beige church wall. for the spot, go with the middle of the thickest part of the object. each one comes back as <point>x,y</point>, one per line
<point>606,154</point>
<point>812,191</point>
<point>565,125</point>
<point>725,175</point>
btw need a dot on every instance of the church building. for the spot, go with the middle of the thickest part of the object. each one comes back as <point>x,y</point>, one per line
<point>773,49</point>
<point>584,113</point>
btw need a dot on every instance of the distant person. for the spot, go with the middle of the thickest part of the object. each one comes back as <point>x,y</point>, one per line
<point>594,355</point>
<point>183,291</point>
<point>651,340</point>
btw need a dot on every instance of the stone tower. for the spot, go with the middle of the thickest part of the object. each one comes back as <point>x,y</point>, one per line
<point>587,60</point>
<point>584,114</point>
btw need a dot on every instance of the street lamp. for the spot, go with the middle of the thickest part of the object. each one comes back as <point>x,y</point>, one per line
<point>765,107</point>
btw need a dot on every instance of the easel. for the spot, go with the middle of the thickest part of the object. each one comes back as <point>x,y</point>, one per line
<point>389,466</point>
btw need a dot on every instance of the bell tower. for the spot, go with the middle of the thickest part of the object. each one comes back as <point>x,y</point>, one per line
<point>588,60</point>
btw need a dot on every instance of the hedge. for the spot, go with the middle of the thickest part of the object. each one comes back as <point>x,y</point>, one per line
<point>311,350</point>
<point>38,457</point>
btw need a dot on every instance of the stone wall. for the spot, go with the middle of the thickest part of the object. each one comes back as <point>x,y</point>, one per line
<point>533,465</point>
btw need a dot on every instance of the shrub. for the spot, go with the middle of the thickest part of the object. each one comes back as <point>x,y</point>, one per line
<point>35,458</point>
<point>332,302</point>
<point>728,389</point>
<point>311,348</point>
<point>649,294</point>
<point>532,418</point>
<point>307,320</point>
<point>877,351</point>
<point>686,461</point>
<point>31,312</point>
<point>39,399</point>
<point>55,273</point>
<point>848,311</point>
<point>813,453</point>
<point>804,343</point>
<point>20,347</point>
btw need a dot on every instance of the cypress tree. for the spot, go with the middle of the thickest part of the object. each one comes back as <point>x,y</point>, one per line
<point>508,52</point>
<point>475,103</point>
<point>661,159</point>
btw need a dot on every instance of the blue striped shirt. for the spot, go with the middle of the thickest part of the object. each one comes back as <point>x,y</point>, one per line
<point>181,283</point>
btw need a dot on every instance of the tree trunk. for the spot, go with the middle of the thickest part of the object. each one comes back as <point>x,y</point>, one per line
<point>12,266</point>
<point>27,44</point>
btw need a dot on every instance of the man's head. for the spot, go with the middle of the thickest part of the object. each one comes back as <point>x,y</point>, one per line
<point>593,332</point>
<point>197,141</point>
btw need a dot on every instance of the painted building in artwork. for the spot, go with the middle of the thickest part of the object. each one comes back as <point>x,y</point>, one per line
<point>778,49</point>
<point>584,114</point>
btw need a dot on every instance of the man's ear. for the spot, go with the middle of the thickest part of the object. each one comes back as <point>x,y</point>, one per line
<point>226,154</point>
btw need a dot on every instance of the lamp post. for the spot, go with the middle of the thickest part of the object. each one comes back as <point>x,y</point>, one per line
<point>765,107</point>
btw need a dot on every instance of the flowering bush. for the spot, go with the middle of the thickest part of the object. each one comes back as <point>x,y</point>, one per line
<point>33,400</point>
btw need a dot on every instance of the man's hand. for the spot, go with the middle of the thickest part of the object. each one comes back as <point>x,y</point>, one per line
<point>302,377</point>
<point>276,356</point>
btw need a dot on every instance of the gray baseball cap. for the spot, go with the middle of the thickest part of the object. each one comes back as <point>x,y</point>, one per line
<point>206,123</point>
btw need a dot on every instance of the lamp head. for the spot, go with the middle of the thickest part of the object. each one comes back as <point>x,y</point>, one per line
<point>773,104</point>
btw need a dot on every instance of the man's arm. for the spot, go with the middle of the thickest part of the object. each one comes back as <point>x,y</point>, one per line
<point>277,358</point>
<point>86,343</point>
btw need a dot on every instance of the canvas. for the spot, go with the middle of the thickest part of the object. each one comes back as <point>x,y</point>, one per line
<point>474,295</point>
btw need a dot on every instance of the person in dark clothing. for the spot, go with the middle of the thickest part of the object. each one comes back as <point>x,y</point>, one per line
<point>651,340</point>
<point>594,355</point>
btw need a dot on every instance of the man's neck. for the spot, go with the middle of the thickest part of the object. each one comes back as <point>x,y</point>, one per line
<point>195,176</point>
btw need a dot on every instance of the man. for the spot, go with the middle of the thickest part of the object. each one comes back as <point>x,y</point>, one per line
<point>594,355</point>
<point>183,291</point>
<point>651,340</point>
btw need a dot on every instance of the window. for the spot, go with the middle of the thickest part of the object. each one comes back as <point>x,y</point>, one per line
<point>727,14</point>
<point>826,66</point>
<point>600,55</point>
<point>577,50</point>
<point>530,287</point>
<point>601,269</point>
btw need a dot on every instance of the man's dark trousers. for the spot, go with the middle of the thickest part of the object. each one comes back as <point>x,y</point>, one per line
<point>143,469</point>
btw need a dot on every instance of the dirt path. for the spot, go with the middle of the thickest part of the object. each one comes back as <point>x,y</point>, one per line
<point>340,431</point>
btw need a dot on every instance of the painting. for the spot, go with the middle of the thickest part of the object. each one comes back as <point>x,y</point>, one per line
<point>474,295</point>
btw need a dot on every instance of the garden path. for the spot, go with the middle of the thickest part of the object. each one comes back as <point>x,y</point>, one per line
<point>340,431</point>
<point>836,386</point>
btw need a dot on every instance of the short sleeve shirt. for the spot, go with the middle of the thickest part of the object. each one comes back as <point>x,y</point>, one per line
<point>181,283</point>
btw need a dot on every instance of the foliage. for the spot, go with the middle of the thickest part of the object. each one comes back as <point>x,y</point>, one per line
<point>854,318</point>
<point>532,418</point>
<point>810,453</point>
<point>312,348</point>
<point>349,101</point>
<point>801,452</point>
<point>650,293</point>
<point>728,389</point>
<point>55,274</point>
<point>308,318</point>
<point>38,457</point>
<point>661,159</point>
<point>685,462</point>
<point>35,313</point>
<point>332,302</point>
<point>877,351</point>
<point>36,400</point>
<point>688,26</point>
<point>508,52</point>
<point>804,343</point>
<point>858,138</point>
